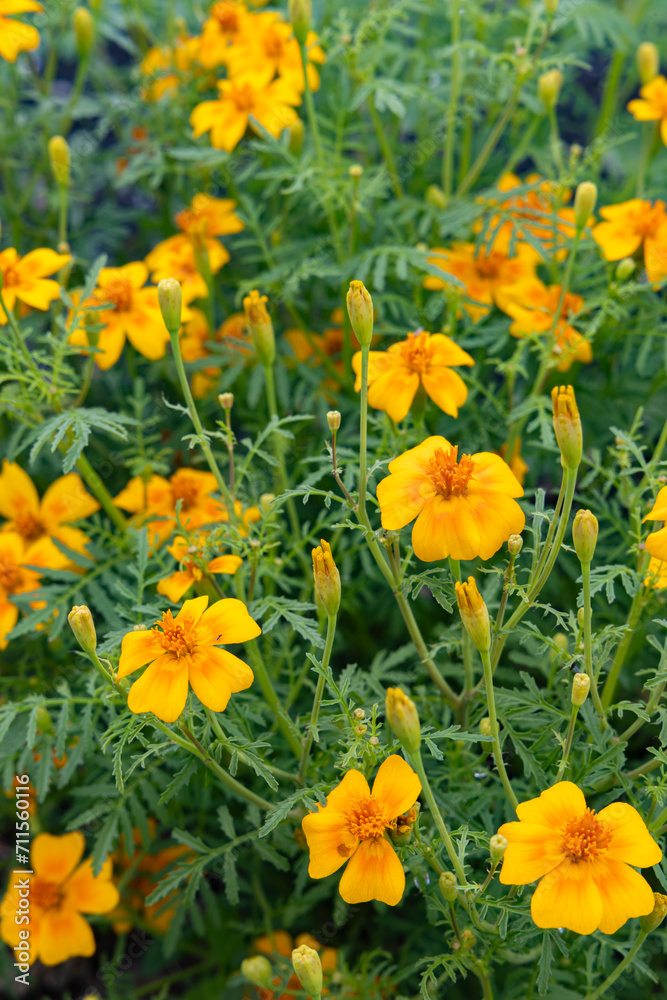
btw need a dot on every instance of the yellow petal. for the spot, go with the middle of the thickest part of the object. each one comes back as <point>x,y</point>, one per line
<point>67,500</point>
<point>556,806</point>
<point>54,858</point>
<point>17,491</point>
<point>329,841</point>
<point>137,649</point>
<point>226,621</point>
<point>175,586</point>
<point>631,842</point>
<point>446,527</point>
<point>396,787</point>
<point>191,612</point>
<point>64,934</point>
<point>446,388</point>
<point>416,459</point>
<point>568,897</point>
<point>162,689</point>
<point>90,893</point>
<point>494,474</point>
<point>215,674</point>
<point>394,392</point>
<point>532,851</point>
<point>373,872</point>
<point>225,564</point>
<point>624,892</point>
<point>497,516</point>
<point>656,544</point>
<point>402,496</point>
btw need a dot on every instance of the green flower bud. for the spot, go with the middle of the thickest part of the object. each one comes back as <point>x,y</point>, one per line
<point>84,31</point>
<point>585,535</point>
<point>403,718</point>
<point>83,627</point>
<point>360,311</point>
<point>585,198</point>
<point>300,14</point>
<point>447,884</point>
<point>497,848</point>
<point>170,298</point>
<point>257,970</point>
<point>567,426</point>
<point>581,685</point>
<point>59,157</point>
<point>308,967</point>
<point>653,920</point>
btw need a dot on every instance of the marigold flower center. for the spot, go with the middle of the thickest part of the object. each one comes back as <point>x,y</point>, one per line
<point>120,293</point>
<point>585,838</point>
<point>243,96</point>
<point>449,475</point>
<point>10,277</point>
<point>488,267</point>
<point>227,17</point>
<point>366,820</point>
<point>10,577</point>
<point>179,639</point>
<point>45,894</point>
<point>186,491</point>
<point>416,352</point>
<point>273,44</point>
<point>29,525</point>
<point>649,219</point>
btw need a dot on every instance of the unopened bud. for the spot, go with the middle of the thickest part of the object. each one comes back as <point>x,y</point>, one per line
<point>585,198</point>
<point>170,298</point>
<point>648,62</point>
<point>326,578</point>
<point>265,502</point>
<point>403,718</point>
<point>653,920</point>
<point>359,713</point>
<point>436,196</point>
<point>360,311</point>
<point>83,626</point>
<point>296,133</point>
<point>44,720</point>
<point>567,426</point>
<point>581,685</point>
<point>84,31</point>
<point>59,157</point>
<point>474,613</point>
<point>356,171</point>
<point>485,726</point>
<point>549,87</point>
<point>226,400</point>
<point>580,618</point>
<point>260,327</point>
<point>308,967</point>
<point>551,6</point>
<point>333,420</point>
<point>514,544</point>
<point>625,269</point>
<point>585,535</point>
<point>447,884</point>
<point>497,848</point>
<point>374,741</point>
<point>257,970</point>
<point>300,14</point>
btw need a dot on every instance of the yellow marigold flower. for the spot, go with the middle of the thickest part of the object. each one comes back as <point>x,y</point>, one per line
<point>175,258</point>
<point>583,859</point>
<point>424,359</point>
<point>134,314</point>
<point>227,24</point>
<point>62,889</point>
<point>464,507</point>
<point>15,36</point>
<point>656,543</point>
<point>485,273</point>
<point>14,579</point>
<point>25,279</point>
<point>352,827</point>
<point>191,567</point>
<point>227,118</point>
<point>186,648</point>
<point>631,225</point>
<point>656,575</point>
<point>271,46</point>
<point>208,216</point>
<point>166,66</point>
<point>38,521</point>
<point>651,105</point>
<point>532,306</point>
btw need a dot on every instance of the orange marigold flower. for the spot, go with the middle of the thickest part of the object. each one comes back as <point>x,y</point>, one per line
<point>61,889</point>
<point>583,859</point>
<point>193,567</point>
<point>631,225</point>
<point>651,105</point>
<point>15,36</point>
<point>208,216</point>
<point>484,273</point>
<point>656,543</point>
<point>271,45</point>
<point>424,359</point>
<point>464,507</point>
<point>532,306</point>
<point>227,118</point>
<point>38,521</point>
<point>14,579</point>
<point>134,314</point>
<point>353,825</point>
<point>175,258</point>
<point>186,648</point>
<point>25,279</point>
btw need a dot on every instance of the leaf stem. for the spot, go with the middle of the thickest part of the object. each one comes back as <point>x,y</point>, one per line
<point>620,968</point>
<point>495,730</point>
<point>319,690</point>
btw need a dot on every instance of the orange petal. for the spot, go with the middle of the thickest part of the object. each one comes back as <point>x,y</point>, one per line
<point>625,893</point>
<point>161,689</point>
<point>532,851</point>
<point>175,586</point>
<point>396,787</point>
<point>90,893</point>
<point>446,388</point>
<point>446,527</point>
<point>631,842</point>
<point>401,497</point>
<point>64,934</point>
<point>138,649</point>
<point>568,897</point>
<point>556,806</point>
<point>215,674</point>
<point>374,872</point>
<point>226,621</point>
<point>394,392</point>
<point>54,858</point>
<point>494,474</point>
<point>191,612</point>
<point>329,841</point>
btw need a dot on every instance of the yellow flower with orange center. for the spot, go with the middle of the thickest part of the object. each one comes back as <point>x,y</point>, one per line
<point>464,506</point>
<point>656,543</point>
<point>352,829</point>
<point>425,360</point>
<point>583,859</point>
<point>192,567</point>
<point>485,273</point>
<point>61,890</point>
<point>187,649</point>
<point>532,306</point>
<point>175,258</point>
<point>208,216</point>
<point>631,226</point>
<point>15,578</point>
<point>228,22</point>
<point>270,45</point>
<point>15,36</point>
<point>167,66</point>
<point>651,105</point>
<point>240,103</point>
<point>134,314</point>
<point>26,279</point>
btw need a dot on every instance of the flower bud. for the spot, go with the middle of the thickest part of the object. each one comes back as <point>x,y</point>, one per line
<point>549,87</point>
<point>359,713</point>
<point>653,920</point>
<point>401,834</point>
<point>265,502</point>
<point>170,298</point>
<point>567,426</point>
<point>403,718</point>
<point>497,848</point>
<point>585,535</point>
<point>84,31</point>
<point>300,13</point>
<point>327,578</point>
<point>257,970</point>
<point>551,6</point>
<point>308,967</point>
<point>514,544</point>
<point>485,726</point>
<point>436,196</point>
<point>648,62</point>
<point>580,618</point>
<point>581,685</point>
<point>260,327</point>
<point>356,171</point>
<point>360,311</point>
<point>625,269</point>
<point>474,613</point>
<point>59,157</point>
<point>333,420</point>
<point>83,626</point>
<point>296,133</point>
<point>226,400</point>
<point>585,198</point>
<point>44,720</point>
<point>447,884</point>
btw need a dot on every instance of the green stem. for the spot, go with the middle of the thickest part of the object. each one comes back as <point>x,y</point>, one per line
<point>283,482</point>
<point>363,432</point>
<point>319,691</point>
<point>588,642</point>
<point>620,968</point>
<point>62,213</point>
<point>386,149</point>
<point>490,143</point>
<point>101,493</point>
<point>438,820</point>
<point>454,91</point>
<point>610,88</point>
<point>568,744</point>
<point>495,729</point>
